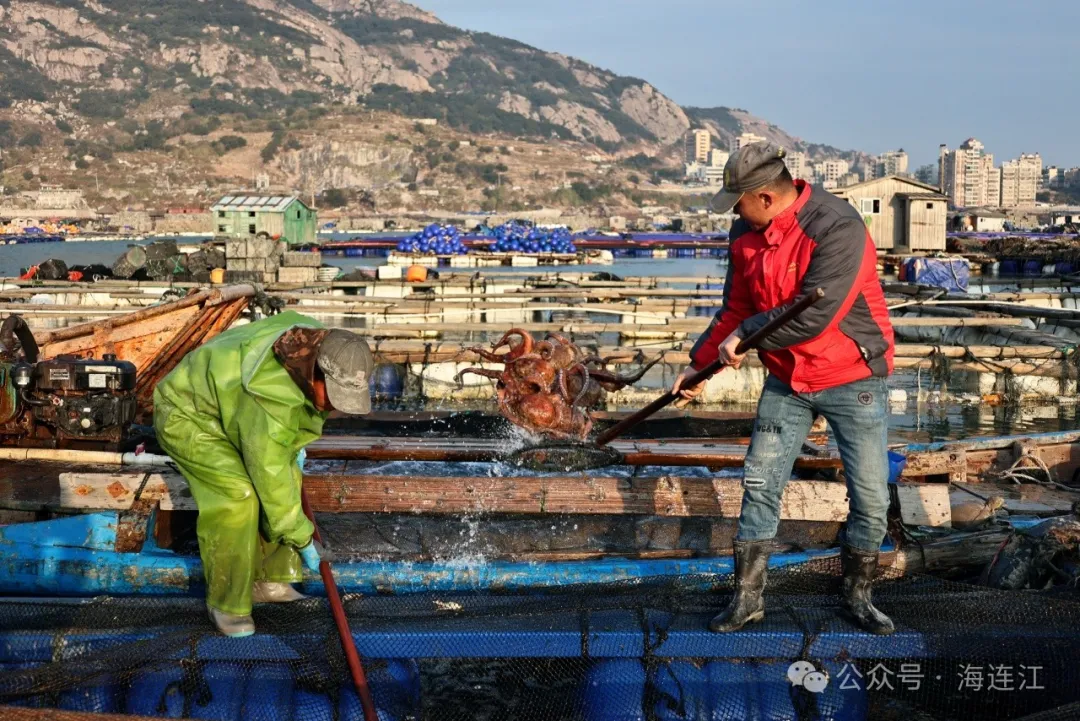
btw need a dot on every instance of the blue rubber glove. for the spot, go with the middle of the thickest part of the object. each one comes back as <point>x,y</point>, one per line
<point>312,554</point>
<point>301,458</point>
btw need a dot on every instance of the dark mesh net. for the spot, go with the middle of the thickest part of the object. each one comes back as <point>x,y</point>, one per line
<point>623,651</point>
<point>564,457</point>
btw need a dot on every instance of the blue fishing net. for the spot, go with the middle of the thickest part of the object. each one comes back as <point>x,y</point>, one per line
<point>628,650</point>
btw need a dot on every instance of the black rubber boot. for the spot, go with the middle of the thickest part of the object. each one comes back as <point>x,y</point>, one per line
<point>859,568</point>
<point>746,606</point>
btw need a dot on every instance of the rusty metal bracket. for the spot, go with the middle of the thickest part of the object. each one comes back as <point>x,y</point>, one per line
<point>132,526</point>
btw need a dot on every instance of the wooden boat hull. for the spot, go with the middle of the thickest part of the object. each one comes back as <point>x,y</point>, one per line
<point>155,339</point>
<point>77,556</point>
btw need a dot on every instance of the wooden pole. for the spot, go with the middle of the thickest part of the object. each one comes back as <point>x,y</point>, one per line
<point>356,669</point>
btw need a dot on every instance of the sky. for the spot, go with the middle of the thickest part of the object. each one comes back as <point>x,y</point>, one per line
<point>871,76</point>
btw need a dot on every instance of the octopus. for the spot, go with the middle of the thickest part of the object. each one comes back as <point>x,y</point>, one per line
<point>547,387</point>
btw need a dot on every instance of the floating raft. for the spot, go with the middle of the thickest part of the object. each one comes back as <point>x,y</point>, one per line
<point>481,259</point>
<point>611,627</point>
<point>536,531</point>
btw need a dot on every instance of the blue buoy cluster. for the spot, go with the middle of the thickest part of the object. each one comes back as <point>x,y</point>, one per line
<point>517,238</point>
<point>435,240</point>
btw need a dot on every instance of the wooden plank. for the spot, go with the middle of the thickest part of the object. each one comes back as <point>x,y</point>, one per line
<point>116,491</point>
<point>150,334</point>
<point>1026,499</point>
<point>907,355</point>
<point>1063,460</point>
<point>672,496</point>
<point>924,504</point>
<point>666,496</point>
<point>711,453</point>
<point>934,463</point>
<point>672,327</point>
<point>984,443</point>
<point>98,492</point>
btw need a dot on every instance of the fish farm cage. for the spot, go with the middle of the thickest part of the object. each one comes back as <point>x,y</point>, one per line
<point>623,651</point>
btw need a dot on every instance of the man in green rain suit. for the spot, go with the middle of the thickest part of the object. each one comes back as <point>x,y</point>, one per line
<point>235,415</point>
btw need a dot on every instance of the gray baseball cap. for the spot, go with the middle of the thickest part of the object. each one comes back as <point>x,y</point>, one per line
<point>749,167</point>
<point>347,362</point>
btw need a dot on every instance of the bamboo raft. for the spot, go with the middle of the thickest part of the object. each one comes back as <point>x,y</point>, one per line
<point>429,327</point>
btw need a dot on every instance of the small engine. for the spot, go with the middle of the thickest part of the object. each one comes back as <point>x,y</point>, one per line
<point>66,402</point>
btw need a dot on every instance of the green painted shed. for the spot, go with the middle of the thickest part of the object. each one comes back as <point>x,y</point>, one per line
<point>280,216</point>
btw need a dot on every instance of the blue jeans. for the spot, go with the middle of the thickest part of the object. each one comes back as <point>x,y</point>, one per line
<point>857,415</point>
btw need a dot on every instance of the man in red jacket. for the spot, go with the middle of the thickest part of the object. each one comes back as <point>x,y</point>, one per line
<point>831,361</point>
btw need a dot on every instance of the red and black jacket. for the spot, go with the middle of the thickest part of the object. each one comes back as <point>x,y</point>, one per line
<point>819,242</point>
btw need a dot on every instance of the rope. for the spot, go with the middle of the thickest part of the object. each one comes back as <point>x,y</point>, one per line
<point>1016,474</point>
<point>940,369</point>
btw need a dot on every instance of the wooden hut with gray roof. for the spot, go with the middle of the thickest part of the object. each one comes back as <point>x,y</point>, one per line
<point>280,217</point>
<point>903,215</point>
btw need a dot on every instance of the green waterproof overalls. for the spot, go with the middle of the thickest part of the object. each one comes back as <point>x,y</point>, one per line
<point>234,422</point>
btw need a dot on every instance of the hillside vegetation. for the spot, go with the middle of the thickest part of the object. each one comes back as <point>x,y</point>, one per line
<point>177,97</point>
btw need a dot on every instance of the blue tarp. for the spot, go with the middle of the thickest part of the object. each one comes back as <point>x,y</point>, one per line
<point>950,274</point>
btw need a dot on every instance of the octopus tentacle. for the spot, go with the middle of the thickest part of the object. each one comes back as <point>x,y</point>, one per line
<point>490,355</point>
<point>587,425</point>
<point>607,378</point>
<point>486,372</point>
<point>545,349</point>
<point>527,356</point>
<point>584,383</point>
<point>560,381</point>
<point>578,354</point>
<point>521,349</point>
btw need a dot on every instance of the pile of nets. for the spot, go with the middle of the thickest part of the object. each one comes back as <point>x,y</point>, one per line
<point>519,238</point>
<point>435,239</point>
<point>625,651</point>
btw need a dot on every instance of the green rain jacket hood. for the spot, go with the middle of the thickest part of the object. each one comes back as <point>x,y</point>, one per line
<point>232,413</point>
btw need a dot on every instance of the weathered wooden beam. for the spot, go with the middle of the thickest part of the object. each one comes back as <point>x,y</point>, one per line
<point>949,463</point>
<point>1063,460</point>
<point>117,491</point>
<point>959,553</point>
<point>667,496</point>
<point>923,504</point>
<point>907,355</point>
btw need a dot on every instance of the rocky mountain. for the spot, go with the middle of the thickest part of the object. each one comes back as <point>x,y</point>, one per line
<point>110,56</point>
<point>171,102</point>
<point>107,58</point>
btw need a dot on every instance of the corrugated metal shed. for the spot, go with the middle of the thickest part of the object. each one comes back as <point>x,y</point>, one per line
<point>273,216</point>
<point>270,203</point>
